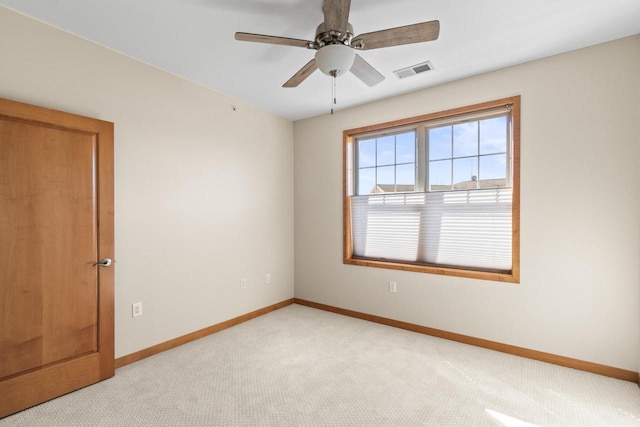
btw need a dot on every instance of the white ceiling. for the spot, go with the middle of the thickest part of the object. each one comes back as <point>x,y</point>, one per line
<point>195,39</point>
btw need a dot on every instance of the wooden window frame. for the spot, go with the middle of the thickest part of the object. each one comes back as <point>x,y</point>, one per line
<point>349,138</point>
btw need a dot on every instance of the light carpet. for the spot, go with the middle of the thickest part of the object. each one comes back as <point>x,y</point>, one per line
<point>299,366</point>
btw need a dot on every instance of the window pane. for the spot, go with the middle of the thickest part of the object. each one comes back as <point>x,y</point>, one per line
<point>465,173</point>
<point>386,151</point>
<point>406,177</point>
<point>440,143</point>
<point>465,139</point>
<point>493,171</point>
<point>366,180</point>
<point>366,153</point>
<point>406,147</point>
<point>440,175</point>
<point>386,179</point>
<point>493,135</point>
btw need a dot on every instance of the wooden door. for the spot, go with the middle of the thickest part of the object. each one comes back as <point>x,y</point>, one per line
<point>56,222</point>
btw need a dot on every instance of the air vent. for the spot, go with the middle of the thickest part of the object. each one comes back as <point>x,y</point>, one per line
<point>413,70</point>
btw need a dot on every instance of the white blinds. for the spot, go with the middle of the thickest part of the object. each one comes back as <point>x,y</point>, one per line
<point>457,228</point>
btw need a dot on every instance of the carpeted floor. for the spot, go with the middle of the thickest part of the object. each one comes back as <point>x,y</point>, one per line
<point>303,367</point>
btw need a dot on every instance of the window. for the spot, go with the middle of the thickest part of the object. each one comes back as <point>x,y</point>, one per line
<point>437,193</point>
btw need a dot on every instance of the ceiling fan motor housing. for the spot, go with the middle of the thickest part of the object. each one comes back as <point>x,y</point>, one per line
<point>326,36</point>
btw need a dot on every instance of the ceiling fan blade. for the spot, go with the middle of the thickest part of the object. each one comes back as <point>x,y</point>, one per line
<point>261,38</point>
<point>302,74</point>
<point>336,15</point>
<point>365,72</point>
<point>416,33</point>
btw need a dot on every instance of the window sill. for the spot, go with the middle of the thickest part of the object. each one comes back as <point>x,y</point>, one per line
<point>507,277</point>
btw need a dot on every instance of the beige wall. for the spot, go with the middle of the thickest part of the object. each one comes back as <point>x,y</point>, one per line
<point>204,194</point>
<point>579,294</point>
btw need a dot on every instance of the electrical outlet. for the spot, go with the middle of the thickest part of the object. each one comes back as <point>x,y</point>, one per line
<point>243,284</point>
<point>392,286</point>
<point>136,309</point>
<point>267,278</point>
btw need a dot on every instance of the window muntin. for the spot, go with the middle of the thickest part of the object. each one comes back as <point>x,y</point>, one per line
<point>466,190</point>
<point>469,155</point>
<point>386,163</point>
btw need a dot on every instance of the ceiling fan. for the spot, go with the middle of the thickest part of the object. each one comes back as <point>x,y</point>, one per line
<point>335,44</point>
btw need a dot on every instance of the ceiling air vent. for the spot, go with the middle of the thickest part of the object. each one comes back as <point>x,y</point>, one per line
<point>413,70</point>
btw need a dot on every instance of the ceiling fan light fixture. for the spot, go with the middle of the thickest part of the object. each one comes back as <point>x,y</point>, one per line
<point>335,59</point>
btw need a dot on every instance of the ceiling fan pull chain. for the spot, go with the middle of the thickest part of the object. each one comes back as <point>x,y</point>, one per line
<point>333,93</point>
